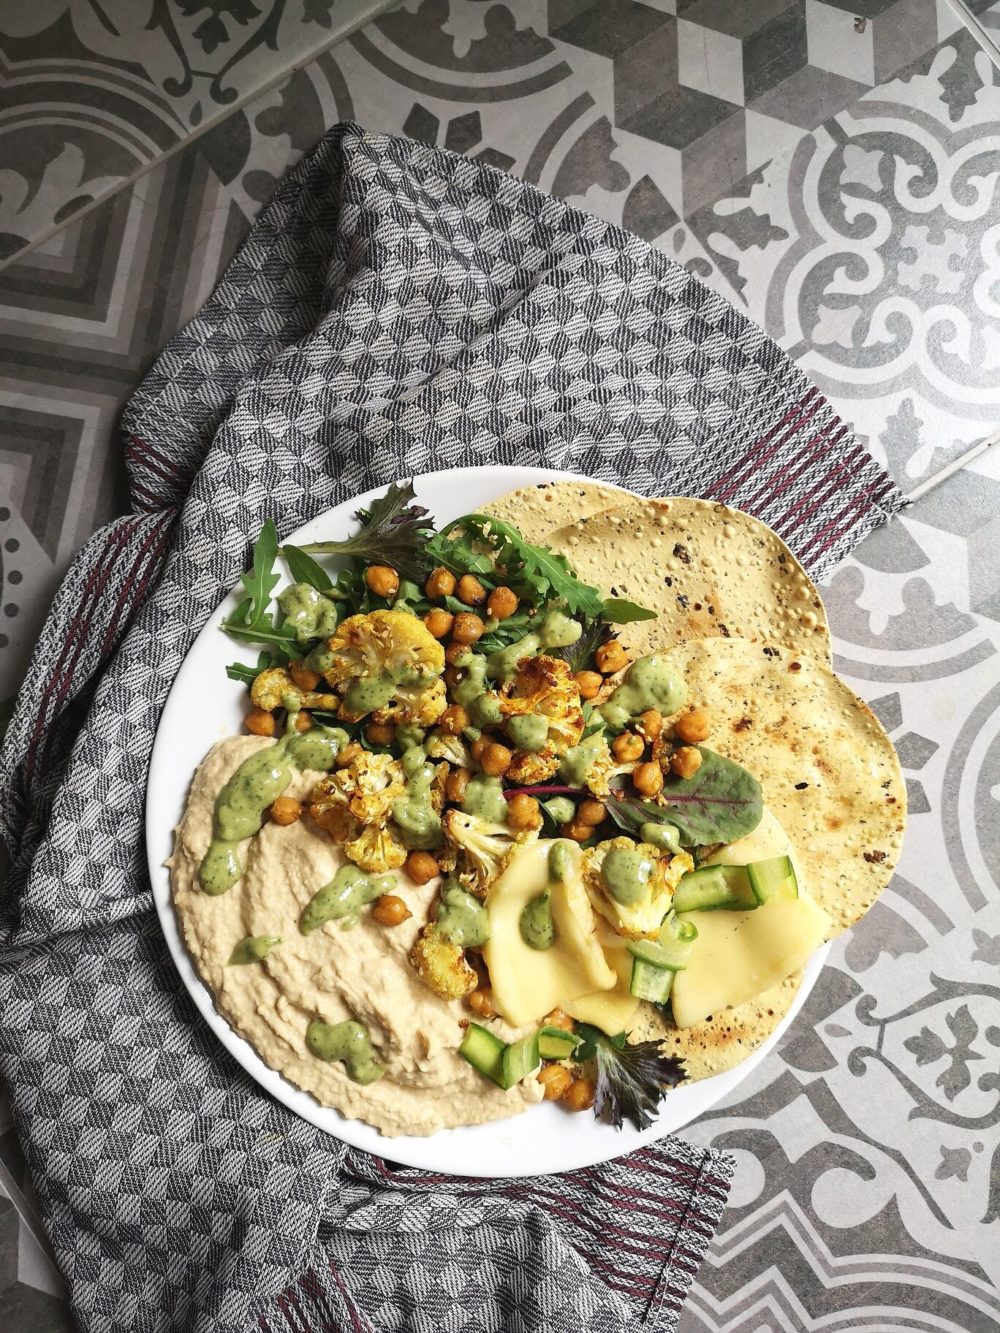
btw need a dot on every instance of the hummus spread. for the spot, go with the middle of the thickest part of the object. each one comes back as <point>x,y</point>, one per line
<point>334,974</point>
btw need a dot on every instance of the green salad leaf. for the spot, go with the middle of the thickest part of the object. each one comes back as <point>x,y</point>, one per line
<point>304,569</point>
<point>580,655</point>
<point>721,803</point>
<point>620,611</point>
<point>394,532</point>
<point>632,1078</point>
<point>253,620</point>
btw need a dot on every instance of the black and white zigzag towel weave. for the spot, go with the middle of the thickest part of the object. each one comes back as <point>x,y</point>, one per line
<point>395,309</point>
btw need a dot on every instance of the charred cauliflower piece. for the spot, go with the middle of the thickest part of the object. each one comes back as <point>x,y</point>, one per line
<point>274,688</point>
<point>354,804</point>
<point>442,965</point>
<point>387,664</point>
<point>604,767</point>
<point>543,686</point>
<point>641,919</point>
<point>482,849</point>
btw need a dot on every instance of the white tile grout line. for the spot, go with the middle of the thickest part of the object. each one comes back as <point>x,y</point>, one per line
<point>956,465</point>
<point>977,29</point>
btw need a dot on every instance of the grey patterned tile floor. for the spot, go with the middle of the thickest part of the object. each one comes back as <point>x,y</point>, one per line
<point>860,234</point>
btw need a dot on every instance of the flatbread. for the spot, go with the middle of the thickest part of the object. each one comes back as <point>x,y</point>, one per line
<point>536,510</point>
<point>705,570</point>
<point>831,778</point>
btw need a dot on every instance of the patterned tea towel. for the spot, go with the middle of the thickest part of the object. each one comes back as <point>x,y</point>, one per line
<point>395,309</point>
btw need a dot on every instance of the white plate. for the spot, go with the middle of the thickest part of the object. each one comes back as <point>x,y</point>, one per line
<point>545,1139</point>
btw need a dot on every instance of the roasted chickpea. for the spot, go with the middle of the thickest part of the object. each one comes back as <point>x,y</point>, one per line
<point>452,675</point>
<point>577,831</point>
<point>591,813</point>
<point>556,1080</point>
<point>477,748</point>
<point>303,721</point>
<point>588,683</point>
<point>348,754</point>
<point>685,762</point>
<point>380,733</point>
<point>693,726</point>
<point>579,1096</point>
<point>627,747</point>
<point>648,779</point>
<point>261,723</point>
<point>610,657</point>
<point>522,812</point>
<point>502,602</point>
<point>390,910</point>
<point>455,651</point>
<point>468,628</point>
<point>303,677</point>
<point>496,759</point>
<point>470,590</point>
<point>439,622</point>
<point>383,581</point>
<point>440,583</point>
<point>481,1003</point>
<point>453,720</point>
<point>558,1019</point>
<point>455,785</point>
<point>285,810</point>
<point>421,867</point>
<point>651,723</point>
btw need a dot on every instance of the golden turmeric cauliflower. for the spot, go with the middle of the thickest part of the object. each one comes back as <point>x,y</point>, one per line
<point>640,919</point>
<point>387,664</point>
<point>481,849</point>
<point>353,805</point>
<point>274,688</point>
<point>545,687</point>
<point>604,766</point>
<point>442,965</point>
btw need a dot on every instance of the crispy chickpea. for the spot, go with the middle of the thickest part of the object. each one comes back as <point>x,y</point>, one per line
<point>556,1080</point>
<point>455,651</point>
<point>439,622</point>
<point>481,1002</point>
<point>588,683</point>
<point>348,754</point>
<point>522,812</point>
<point>303,677</point>
<point>421,867</point>
<point>383,581</point>
<point>502,602</point>
<point>453,720</point>
<point>440,583</point>
<point>477,747</point>
<point>303,721</point>
<point>380,733</point>
<point>452,675</point>
<point>285,810</point>
<point>591,813</point>
<point>627,747</point>
<point>577,831</point>
<point>611,657</point>
<point>558,1018</point>
<point>470,590</point>
<point>651,722</point>
<point>496,759</point>
<point>468,628</point>
<point>390,910</point>
<point>692,726</point>
<point>260,723</point>
<point>579,1096</point>
<point>685,762</point>
<point>455,785</point>
<point>647,779</point>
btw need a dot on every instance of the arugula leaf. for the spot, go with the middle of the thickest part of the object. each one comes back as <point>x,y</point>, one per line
<point>284,645</point>
<point>458,554</point>
<point>623,612</point>
<point>304,569</point>
<point>396,532</point>
<point>721,803</point>
<point>248,674</point>
<point>632,1079</point>
<point>580,655</point>
<point>259,582</point>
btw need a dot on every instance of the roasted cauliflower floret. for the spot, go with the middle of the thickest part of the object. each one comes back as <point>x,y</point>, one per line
<point>543,686</point>
<point>354,805</point>
<point>376,849</point>
<point>387,664</point>
<point>274,688</point>
<point>603,767</point>
<point>439,745</point>
<point>482,849</point>
<point>657,874</point>
<point>442,965</point>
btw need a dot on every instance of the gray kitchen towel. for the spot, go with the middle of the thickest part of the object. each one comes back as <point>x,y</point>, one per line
<point>394,309</point>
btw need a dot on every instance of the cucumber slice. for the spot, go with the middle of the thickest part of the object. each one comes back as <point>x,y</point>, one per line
<point>557,1043</point>
<point>670,953</point>
<point>484,1051</point>
<point>650,982</point>
<point>712,887</point>
<point>773,879</point>
<point>519,1059</point>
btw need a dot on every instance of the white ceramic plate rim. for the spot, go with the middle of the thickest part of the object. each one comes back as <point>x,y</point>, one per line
<point>540,1142</point>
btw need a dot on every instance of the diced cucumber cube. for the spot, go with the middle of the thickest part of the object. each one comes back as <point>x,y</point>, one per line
<point>520,1058</point>
<point>484,1051</point>
<point>773,879</point>
<point>556,1043</point>
<point>651,983</point>
<point>712,887</point>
